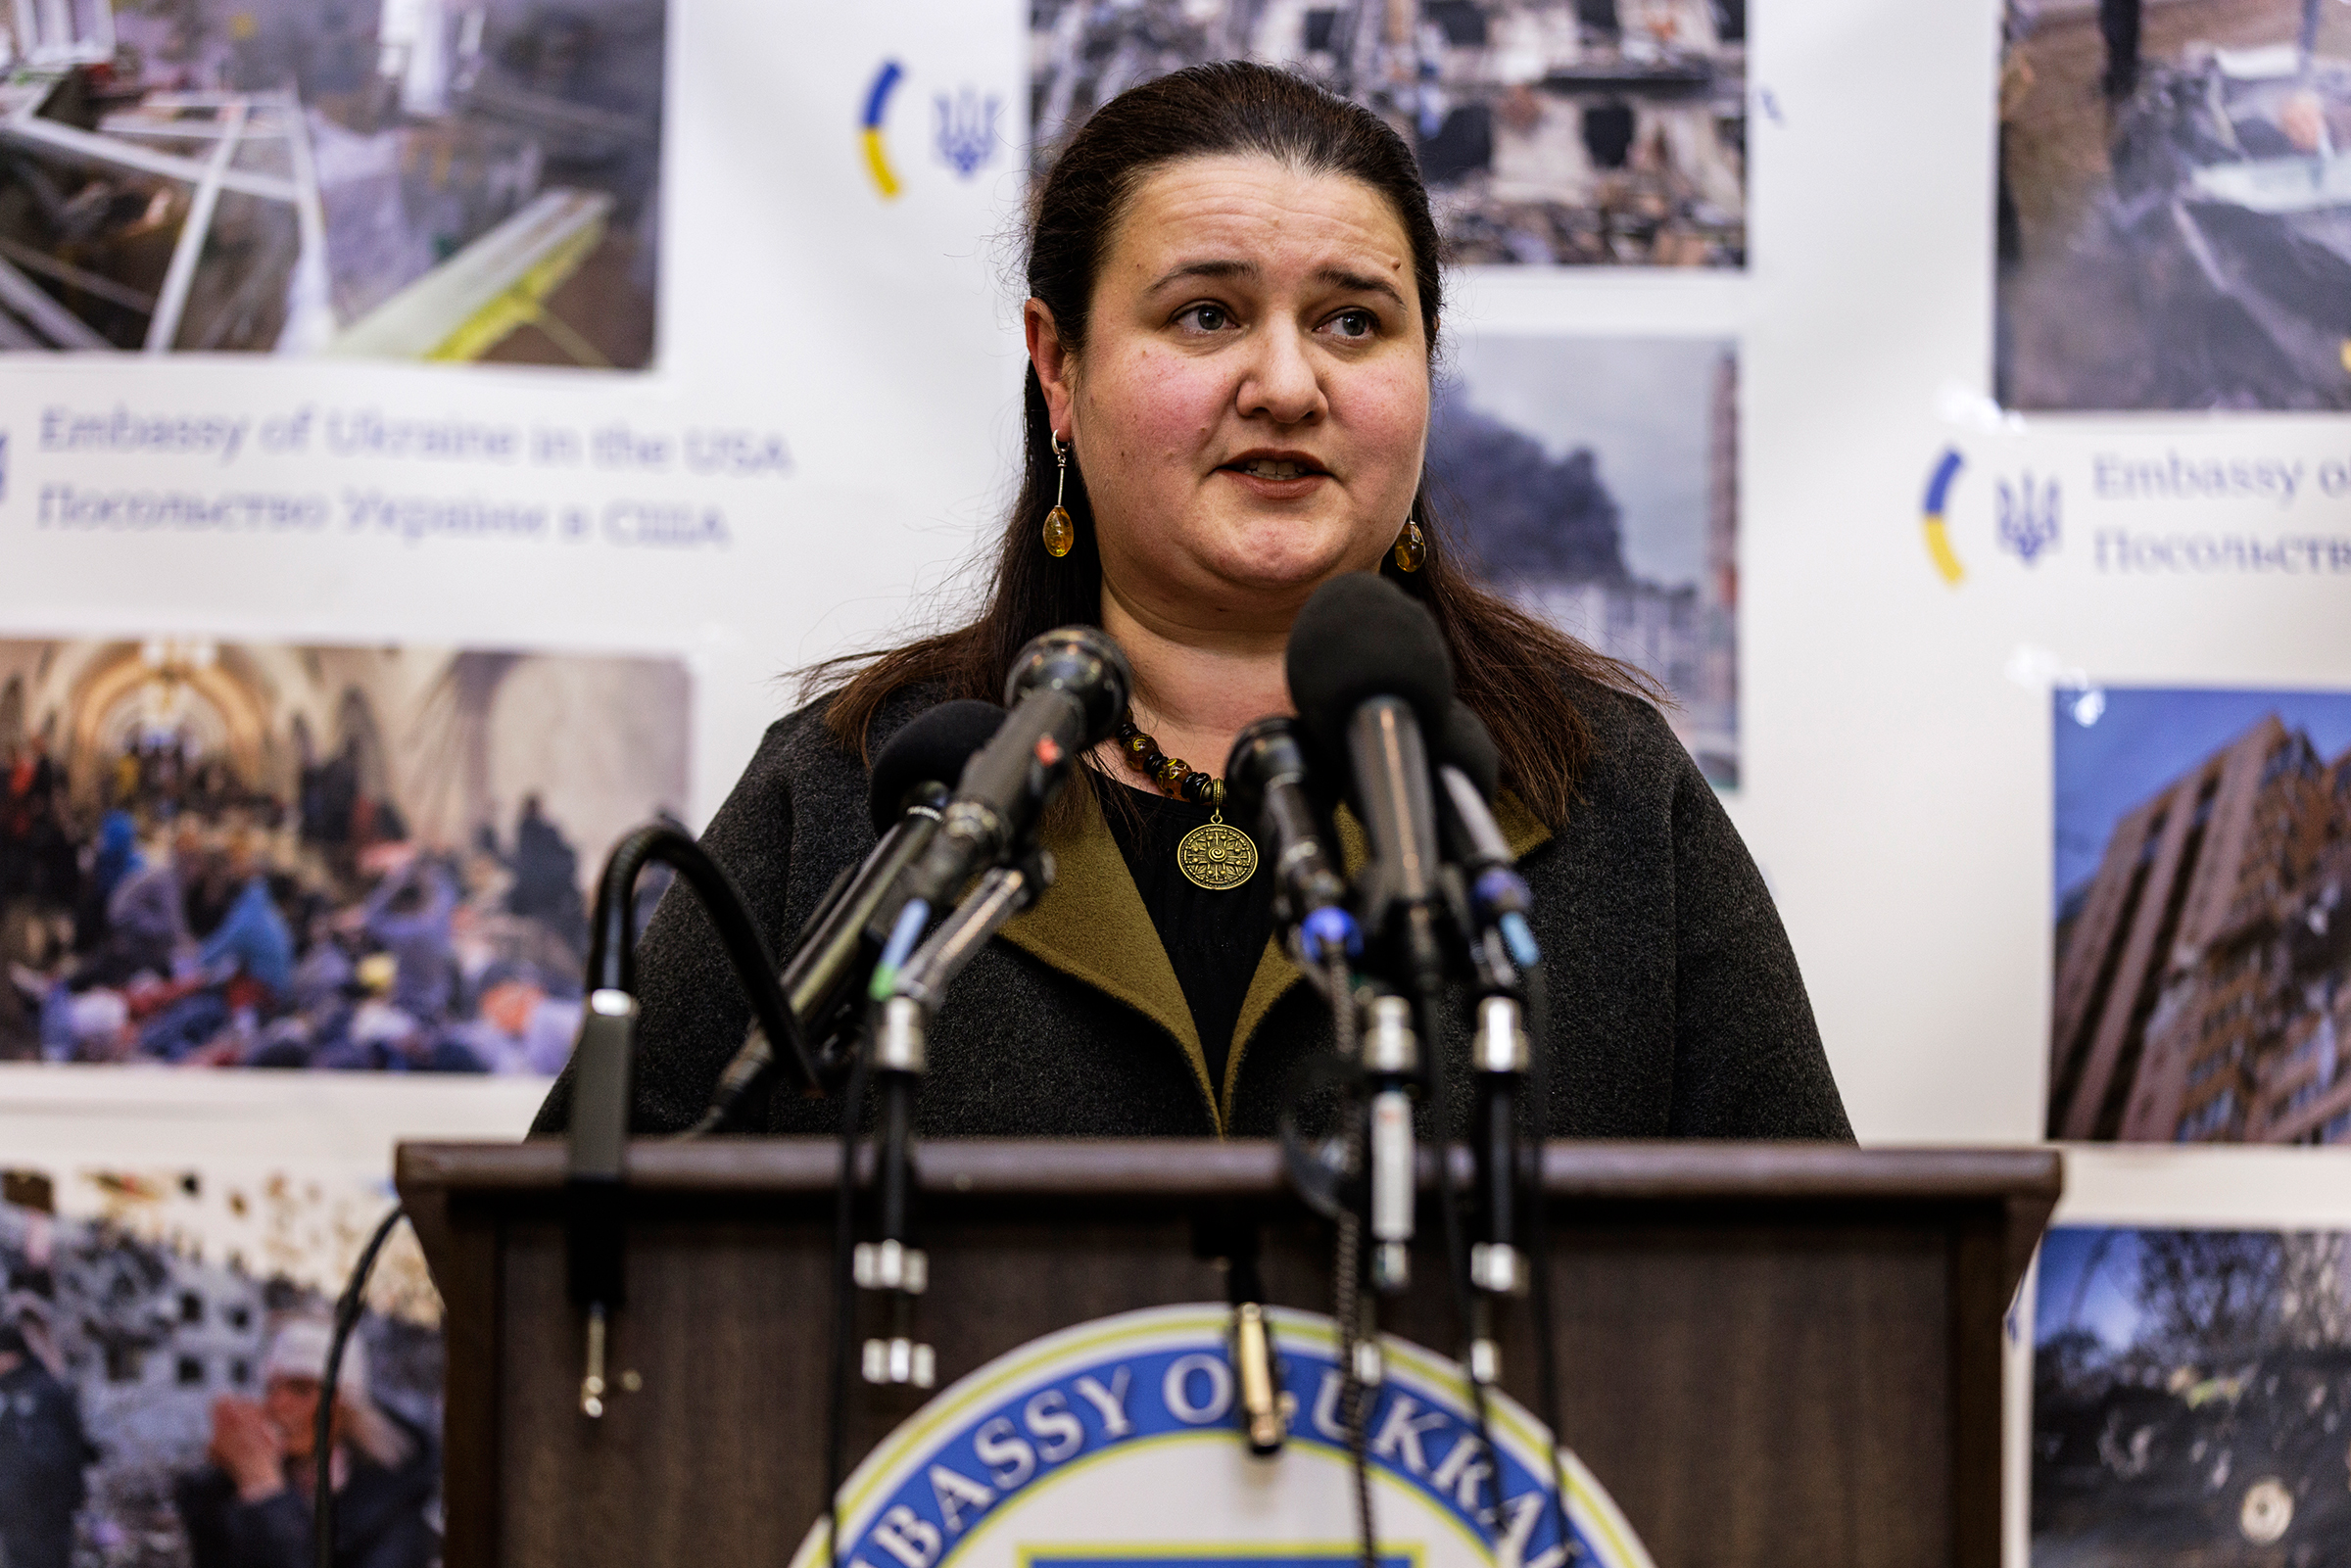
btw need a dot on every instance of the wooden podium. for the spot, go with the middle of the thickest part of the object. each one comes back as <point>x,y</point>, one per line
<point>1772,1353</point>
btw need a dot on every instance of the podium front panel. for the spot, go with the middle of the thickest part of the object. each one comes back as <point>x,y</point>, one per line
<point>1769,1354</point>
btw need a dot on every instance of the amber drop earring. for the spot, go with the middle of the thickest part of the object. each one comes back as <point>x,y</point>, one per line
<point>1060,533</point>
<point>1411,548</point>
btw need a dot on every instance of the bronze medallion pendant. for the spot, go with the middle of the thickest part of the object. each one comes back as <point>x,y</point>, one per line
<point>1217,855</point>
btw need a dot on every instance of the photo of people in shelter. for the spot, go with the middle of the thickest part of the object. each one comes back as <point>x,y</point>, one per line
<point>160,1384</point>
<point>1588,132</point>
<point>388,179</point>
<point>2203,942</point>
<point>2192,1399</point>
<point>2174,210</point>
<point>244,854</point>
<point>1597,480</point>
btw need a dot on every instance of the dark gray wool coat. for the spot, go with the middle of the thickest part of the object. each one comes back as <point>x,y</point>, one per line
<point>1675,1003</point>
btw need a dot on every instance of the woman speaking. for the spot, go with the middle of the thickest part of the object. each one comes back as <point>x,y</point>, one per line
<point>1235,298</point>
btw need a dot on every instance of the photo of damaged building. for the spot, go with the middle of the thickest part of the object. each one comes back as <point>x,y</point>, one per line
<point>133,1303</point>
<point>2204,988</point>
<point>1596,483</point>
<point>402,179</point>
<point>1549,131</point>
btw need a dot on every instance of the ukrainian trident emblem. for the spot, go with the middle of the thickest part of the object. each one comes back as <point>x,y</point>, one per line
<point>967,130</point>
<point>2027,516</point>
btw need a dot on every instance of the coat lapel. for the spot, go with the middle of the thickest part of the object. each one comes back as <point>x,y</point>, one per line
<point>1091,926</point>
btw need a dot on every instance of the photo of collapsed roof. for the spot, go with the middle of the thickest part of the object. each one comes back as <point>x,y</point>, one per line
<point>2176,205</point>
<point>397,179</point>
<point>1595,132</point>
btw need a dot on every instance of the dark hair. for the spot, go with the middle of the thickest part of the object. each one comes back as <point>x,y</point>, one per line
<point>1507,665</point>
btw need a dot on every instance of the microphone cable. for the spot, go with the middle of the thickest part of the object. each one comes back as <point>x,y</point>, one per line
<point>1538,1239</point>
<point>1347,1266</point>
<point>845,1301</point>
<point>1424,976</point>
<point>347,1318</point>
<point>1457,1247</point>
<point>612,935</point>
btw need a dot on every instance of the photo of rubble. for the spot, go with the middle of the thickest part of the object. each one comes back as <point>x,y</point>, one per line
<point>453,180</point>
<point>302,856</point>
<point>1551,132</point>
<point>2175,206</point>
<point>1597,482</point>
<point>2203,943</point>
<point>2192,1399</point>
<point>161,1339</point>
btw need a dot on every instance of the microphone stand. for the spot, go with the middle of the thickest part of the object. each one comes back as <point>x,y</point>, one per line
<point>908,984</point>
<point>1500,1059</point>
<point>1365,1180</point>
<point>1391,1066</point>
<point>1408,899</point>
<point>1489,902</point>
<point>892,1265</point>
<point>1377,1063</point>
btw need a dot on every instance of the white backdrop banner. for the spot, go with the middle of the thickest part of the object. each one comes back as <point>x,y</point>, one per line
<point>685,337</point>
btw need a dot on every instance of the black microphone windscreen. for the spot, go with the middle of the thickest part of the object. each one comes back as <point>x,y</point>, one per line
<point>1360,638</point>
<point>1467,744</point>
<point>1083,661</point>
<point>932,749</point>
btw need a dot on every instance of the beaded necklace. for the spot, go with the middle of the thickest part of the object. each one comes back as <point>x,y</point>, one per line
<point>1215,855</point>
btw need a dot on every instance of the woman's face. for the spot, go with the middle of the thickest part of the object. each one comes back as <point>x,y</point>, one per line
<point>1252,405</point>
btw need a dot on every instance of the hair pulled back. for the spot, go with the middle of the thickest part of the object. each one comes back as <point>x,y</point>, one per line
<point>1507,665</point>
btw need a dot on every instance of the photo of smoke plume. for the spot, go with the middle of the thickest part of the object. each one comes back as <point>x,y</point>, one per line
<point>2202,942</point>
<point>2192,1399</point>
<point>391,179</point>
<point>248,854</point>
<point>1596,481</point>
<point>2175,206</point>
<point>161,1339</point>
<point>1591,133</point>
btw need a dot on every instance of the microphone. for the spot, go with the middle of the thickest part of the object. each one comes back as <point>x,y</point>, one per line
<point>931,748</point>
<point>837,948</point>
<point>906,799</point>
<point>1370,675</point>
<point>1266,777</point>
<point>1465,747</point>
<point>1066,692</point>
<point>1469,773</point>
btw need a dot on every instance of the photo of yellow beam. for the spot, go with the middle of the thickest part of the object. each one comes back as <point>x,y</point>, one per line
<point>461,308</point>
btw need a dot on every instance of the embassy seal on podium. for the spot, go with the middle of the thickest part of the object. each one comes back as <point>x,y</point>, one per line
<point>1112,1445</point>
